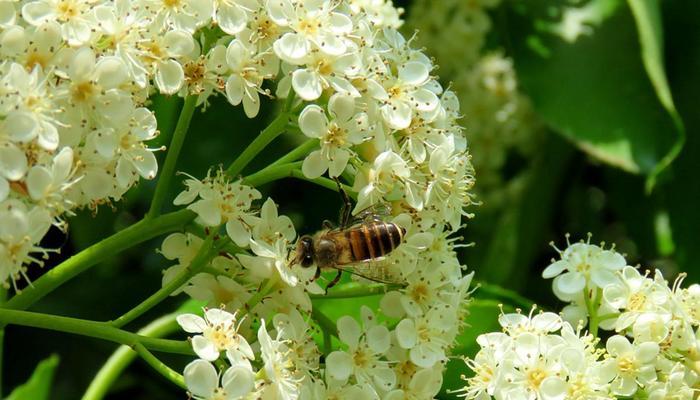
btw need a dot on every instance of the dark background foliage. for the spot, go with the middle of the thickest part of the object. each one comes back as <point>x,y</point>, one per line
<point>589,94</point>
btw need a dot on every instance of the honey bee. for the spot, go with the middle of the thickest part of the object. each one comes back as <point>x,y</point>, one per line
<point>369,240</point>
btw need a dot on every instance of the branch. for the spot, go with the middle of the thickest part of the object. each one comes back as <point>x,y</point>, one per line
<point>168,172</point>
<point>94,329</point>
<point>138,233</point>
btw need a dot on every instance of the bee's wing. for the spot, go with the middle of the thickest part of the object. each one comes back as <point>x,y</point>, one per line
<point>375,270</point>
<point>375,212</point>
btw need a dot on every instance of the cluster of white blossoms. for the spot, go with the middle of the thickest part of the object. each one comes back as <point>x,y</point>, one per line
<point>653,353</point>
<point>388,129</point>
<point>500,120</point>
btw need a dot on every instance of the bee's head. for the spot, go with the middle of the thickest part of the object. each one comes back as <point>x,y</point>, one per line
<point>305,251</point>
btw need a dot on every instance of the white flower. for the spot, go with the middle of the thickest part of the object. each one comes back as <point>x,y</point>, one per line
<point>248,69</point>
<point>425,384</point>
<point>346,129</point>
<point>219,332</point>
<point>72,14</point>
<point>584,265</point>
<point>282,384</point>
<point>427,336</point>
<point>314,25</point>
<point>202,381</point>
<point>633,365</point>
<point>222,202</point>
<point>363,356</point>
<point>381,179</point>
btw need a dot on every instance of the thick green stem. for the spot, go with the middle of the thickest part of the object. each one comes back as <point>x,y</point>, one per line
<point>120,359</point>
<point>324,322</point>
<point>159,366</point>
<point>94,329</point>
<point>265,288</point>
<point>168,171</point>
<point>324,182</point>
<point>271,173</point>
<point>592,305</point>
<point>204,255</point>
<point>276,127</point>
<point>300,151</point>
<point>95,254</point>
<point>350,290</point>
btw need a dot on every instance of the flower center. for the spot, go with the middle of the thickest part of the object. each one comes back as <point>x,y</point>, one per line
<point>360,358</point>
<point>66,9</point>
<point>626,364</point>
<point>419,292</point>
<point>83,91</point>
<point>219,394</point>
<point>336,136</point>
<point>171,3</point>
<point>535,377</point>
<point>637,301</point>
<point>309,26</point>
<point>220,337</point>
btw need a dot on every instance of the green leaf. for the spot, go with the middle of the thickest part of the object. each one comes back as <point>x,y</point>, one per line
<point>38,387</point>
<point>594,89</point>
<point>647,15</point>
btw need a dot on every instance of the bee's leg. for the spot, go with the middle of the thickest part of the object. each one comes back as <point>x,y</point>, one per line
<point>317,274</point>
<point>346,210</point>
<point>335,280</point>
<point>327,224</point>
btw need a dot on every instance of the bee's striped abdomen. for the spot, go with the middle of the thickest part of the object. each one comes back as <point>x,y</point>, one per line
<point>374,240</point>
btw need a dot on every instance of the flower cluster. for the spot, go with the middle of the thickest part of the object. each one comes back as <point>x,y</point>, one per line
<point>283,358</point>
<point>385,126</point>
<point>653,353</point>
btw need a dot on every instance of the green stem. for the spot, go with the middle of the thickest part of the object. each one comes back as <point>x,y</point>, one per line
<point>120,359</point>
<point>276,127</point>
<point>350,290</point>
<point>168,172</point>
<point>201,259</point>
<point>324,182</point>
<point>501,293</point>
<point>98,252</point>
<point>265,288</point>
<point>159,366</point>
<point>324,322</point>
<point>592,307</point>
<point>94,329</point>
<point>271,173</point>
<point>300,151</point>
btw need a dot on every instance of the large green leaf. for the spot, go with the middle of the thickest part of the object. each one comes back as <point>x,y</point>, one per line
<point>38,387</point>
<point>683,191</point>
<point>593,88</point>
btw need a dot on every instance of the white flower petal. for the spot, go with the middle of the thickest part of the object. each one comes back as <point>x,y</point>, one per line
<point>406,333</point>
<point>553,388</point>
<point>234,89</point>
<point>378,339</point>
<point>570,282</point>
<point>191,323</point>
<point>201,378</point>
<point>339,365</point>
<point>349,331</point>
<point>13,163</point>
<point>414,73</point>
<point>238,382</point>
<point>313,121</point>
<point>307,84</point>
<point>170,77</point>
<point>39,179</point>
<point>231,18</point>
<point>204,348</point>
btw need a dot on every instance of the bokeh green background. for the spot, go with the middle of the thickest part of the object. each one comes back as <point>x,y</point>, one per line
<point>607,131</point>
